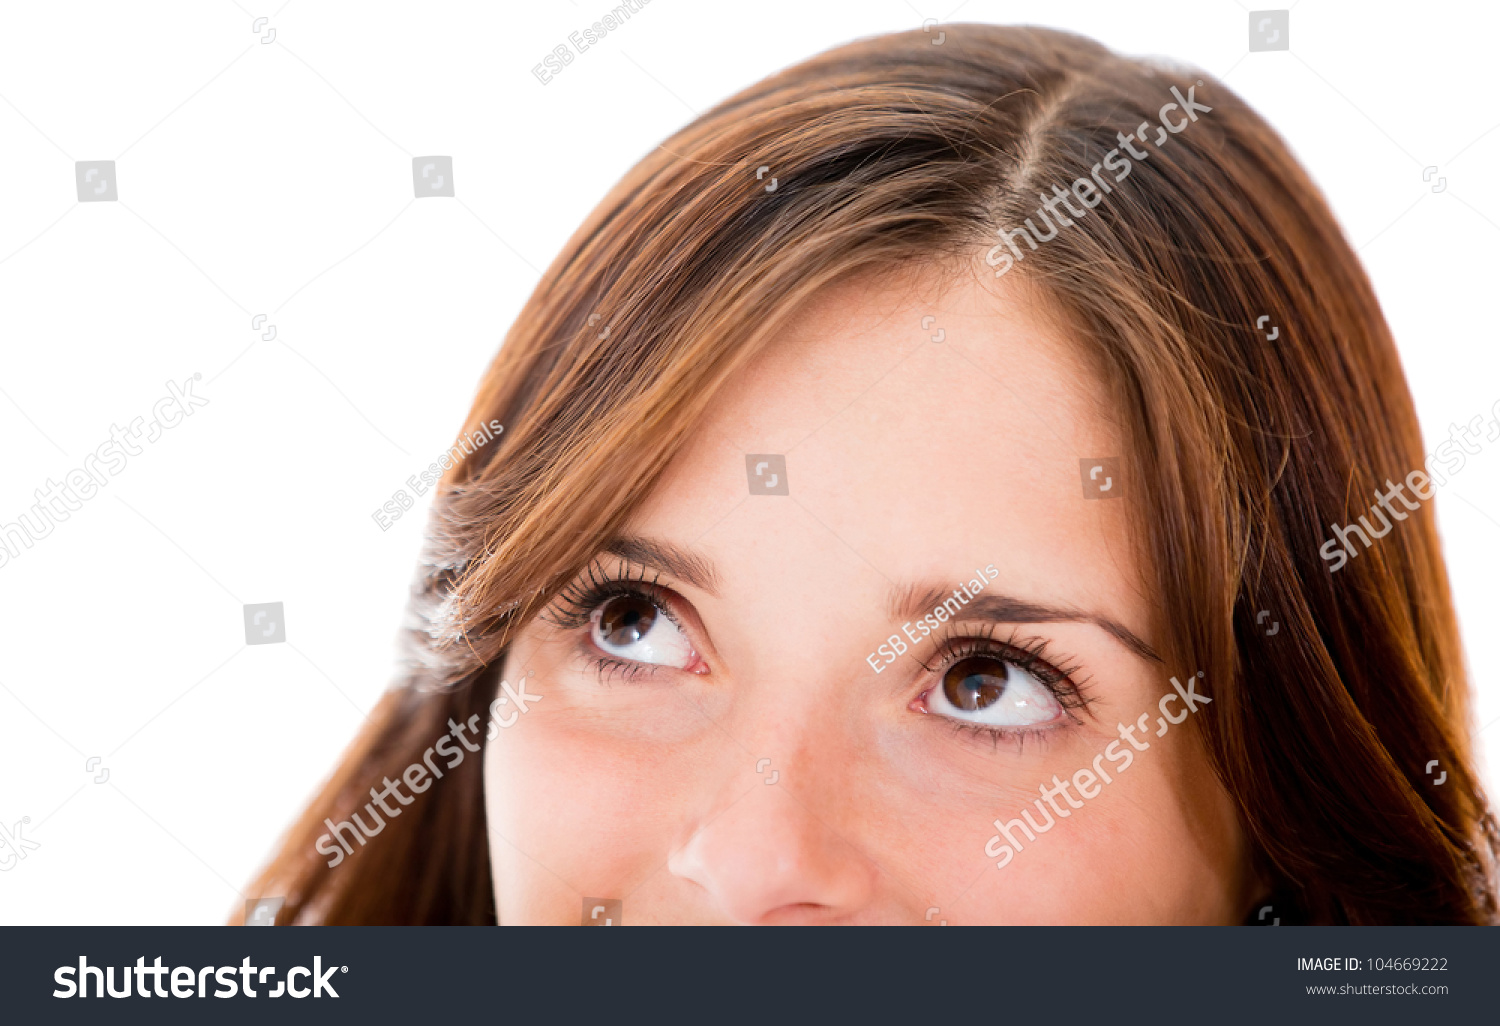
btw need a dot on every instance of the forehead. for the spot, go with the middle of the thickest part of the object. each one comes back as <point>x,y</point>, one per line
<point>926,424</point>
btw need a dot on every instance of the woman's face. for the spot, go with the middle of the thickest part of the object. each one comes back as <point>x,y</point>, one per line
<point>713,742</point>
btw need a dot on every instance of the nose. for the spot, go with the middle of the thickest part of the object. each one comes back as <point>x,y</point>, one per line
<point>769,859</point>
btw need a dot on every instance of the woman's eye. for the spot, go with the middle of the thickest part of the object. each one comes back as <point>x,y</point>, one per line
<point>634,627</point>
<point>988,690</point>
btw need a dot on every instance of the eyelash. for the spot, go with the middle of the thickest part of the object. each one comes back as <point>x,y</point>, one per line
<point>573,608</point>
<point>1030,655</point>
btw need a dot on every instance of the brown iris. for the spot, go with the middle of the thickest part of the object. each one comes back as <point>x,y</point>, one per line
<point>975,683</point>
<point>626,619</point>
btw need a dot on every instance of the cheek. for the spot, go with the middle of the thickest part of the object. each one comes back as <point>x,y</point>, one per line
<point>1101,864</point>
<point>1156,845</point>
<point>569,811</point>
<point>1214,848</point>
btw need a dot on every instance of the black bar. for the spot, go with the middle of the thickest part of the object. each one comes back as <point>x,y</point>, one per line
<point>1059,974</point>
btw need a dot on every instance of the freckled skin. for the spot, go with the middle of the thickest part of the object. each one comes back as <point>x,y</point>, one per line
<point>908,460</point>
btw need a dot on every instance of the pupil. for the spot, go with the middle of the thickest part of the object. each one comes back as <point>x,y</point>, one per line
<point>626,620</point>
<point>975,683</point>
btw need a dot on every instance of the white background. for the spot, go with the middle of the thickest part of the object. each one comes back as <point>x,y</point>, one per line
<point>276,178</point>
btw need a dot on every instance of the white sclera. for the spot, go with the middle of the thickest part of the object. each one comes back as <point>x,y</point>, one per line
<point>663,643</point>
<point>1024,702</point>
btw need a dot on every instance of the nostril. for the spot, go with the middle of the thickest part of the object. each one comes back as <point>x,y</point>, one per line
<point>797,913</point>
<point>768,861</point>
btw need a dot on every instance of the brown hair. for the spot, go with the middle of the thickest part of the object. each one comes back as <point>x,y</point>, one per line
<point>894,152</point>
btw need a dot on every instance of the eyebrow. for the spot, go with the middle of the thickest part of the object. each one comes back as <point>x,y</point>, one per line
<point>911,603</point>
<point>905,604</point>
<point>683,564</point>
